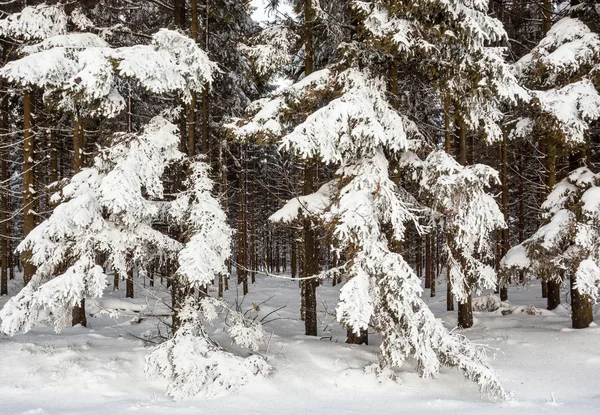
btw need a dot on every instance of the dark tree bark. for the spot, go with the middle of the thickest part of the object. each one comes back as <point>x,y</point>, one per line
<point>79,316</point>
<point>448,148</point>
<point>353,338</point>
<point>465,310</point>
<point>28,178</point>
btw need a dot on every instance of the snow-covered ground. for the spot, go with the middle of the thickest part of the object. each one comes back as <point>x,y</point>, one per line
<point>547,367</point>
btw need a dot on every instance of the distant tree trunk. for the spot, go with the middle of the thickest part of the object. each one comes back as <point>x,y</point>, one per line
<point>115,280</point>
<point>448,148</point>
<point>553,282</point>
<point>428,264</point>
<point>253,252</point>
<point>353,338</point>
<point>505,207</point>
<point>241,270</point>
<point>4,130</point>
<point>521,211</point>
<point>434,268</point>
<point>465,310</point>
<point>79,316</point>
<point>28,178</point>
<point>294,260</point>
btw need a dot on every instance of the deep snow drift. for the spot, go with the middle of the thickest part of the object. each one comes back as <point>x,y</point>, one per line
<point>547,367</point>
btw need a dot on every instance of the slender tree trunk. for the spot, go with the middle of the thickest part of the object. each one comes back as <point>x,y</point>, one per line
<point>310,266</point>
<point>434,269</point>
<point>4,130</point>
<point>28,178</point>
<point>465,310</point>
<point>428,264</point>
<point>79,316</point>
<point>448,148</point>
<point>294,261</point>
<point>521,211</point>
<point>505,207</point>
<point>253,253</point>
<point>553,282</point>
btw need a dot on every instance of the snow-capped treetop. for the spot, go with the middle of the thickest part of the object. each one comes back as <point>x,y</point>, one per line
<point>35,23</point>
<point>457,53</point>
<point>569,47</point>
<point>84,74</point>
<point>410,25</point>
<point>358,119</point>
<point>561,69</point>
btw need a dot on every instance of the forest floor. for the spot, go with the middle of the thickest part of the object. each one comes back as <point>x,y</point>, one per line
<point>546,366</point>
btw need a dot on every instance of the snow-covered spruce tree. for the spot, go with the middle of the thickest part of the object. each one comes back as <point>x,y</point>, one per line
<point>471,215</point>
<point>441,50</point>
<point>84,77</point>
<point>341,116</point>
<point>563,71</point>
<point>193,360</point>
<point>568,244</point>
<point>295,46</point>
<point>109,209</point>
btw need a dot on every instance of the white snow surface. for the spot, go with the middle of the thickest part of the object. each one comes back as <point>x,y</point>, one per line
<point>547,367</point>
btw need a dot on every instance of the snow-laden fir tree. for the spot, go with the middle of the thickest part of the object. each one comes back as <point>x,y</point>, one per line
<point>109,210</point>
<point>342,116</point>
<point>567,244</point>
<point>563,73</point>
<point>83,76</point>
<point>444,51</point>
<point>471,215</point>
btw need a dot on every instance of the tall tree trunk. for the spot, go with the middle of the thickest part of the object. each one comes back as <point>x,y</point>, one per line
<point>79,316</point>
<point>448,148</point>
<point>521,210</point>
<point>465,310</point>
<point>310,266</point>
<point>4,130</point>
<point>28,178</point>
<point>553,281</point>
<point>505,207</point>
